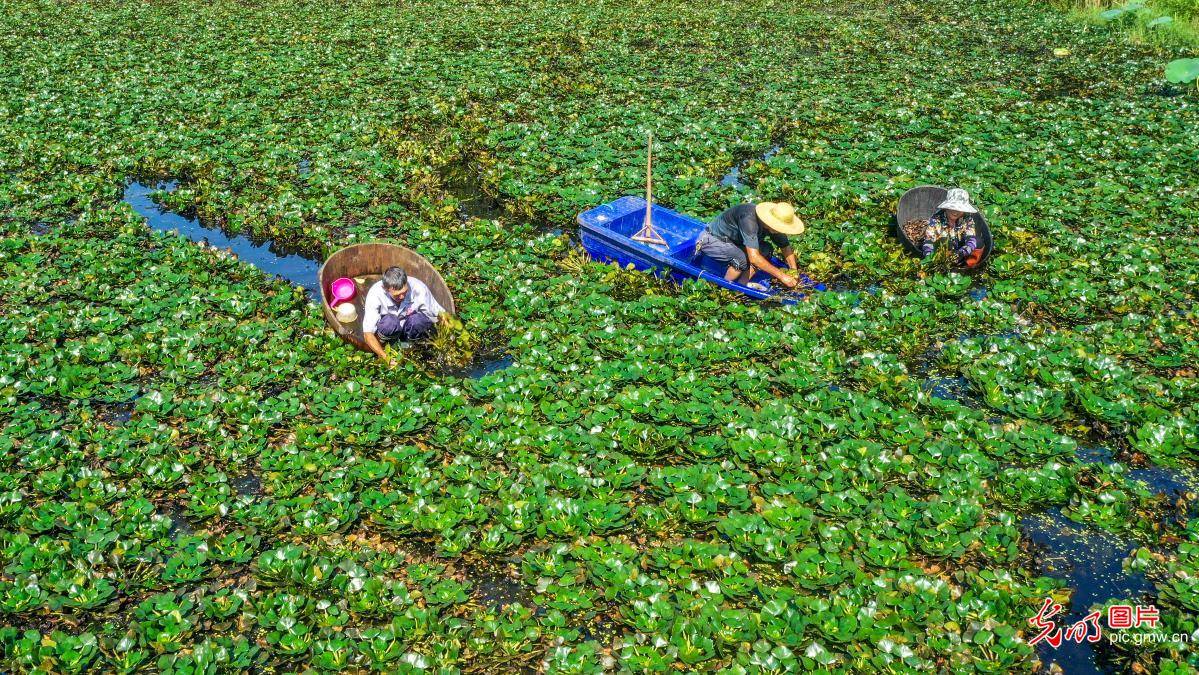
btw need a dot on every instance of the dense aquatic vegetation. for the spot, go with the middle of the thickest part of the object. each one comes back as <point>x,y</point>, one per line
<point>198,477</point>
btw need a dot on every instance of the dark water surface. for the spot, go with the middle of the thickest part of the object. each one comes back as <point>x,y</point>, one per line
<point>953,389</point>
<point>295,269</point>
<point>1090,561</point>
<point>733,177</point>
<point>488,366</point>
<point>466,187</point>
<point>1161,480</point>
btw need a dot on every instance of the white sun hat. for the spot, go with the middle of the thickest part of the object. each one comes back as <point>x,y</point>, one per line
<point>957,200</point>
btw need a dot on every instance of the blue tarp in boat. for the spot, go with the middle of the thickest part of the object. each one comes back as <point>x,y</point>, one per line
<point>607,231</point>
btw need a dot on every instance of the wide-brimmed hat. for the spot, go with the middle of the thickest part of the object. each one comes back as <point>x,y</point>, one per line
<point>780,217</point>
<point>957,200</point>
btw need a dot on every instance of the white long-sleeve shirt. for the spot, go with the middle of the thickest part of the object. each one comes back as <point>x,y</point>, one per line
<point>379,304</point>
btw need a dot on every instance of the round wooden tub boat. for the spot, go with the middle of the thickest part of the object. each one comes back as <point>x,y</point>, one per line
<point>365,264</point>
<point>920,203</point>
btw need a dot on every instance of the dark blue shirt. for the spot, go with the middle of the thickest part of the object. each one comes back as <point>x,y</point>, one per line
<point>740,225</point>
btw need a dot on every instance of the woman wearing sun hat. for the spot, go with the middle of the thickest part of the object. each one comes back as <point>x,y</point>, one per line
<point>745,236</point>
<point>954,222</point>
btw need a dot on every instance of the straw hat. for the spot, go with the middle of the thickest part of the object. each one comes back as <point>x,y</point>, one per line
<point>957,200</point>
<point>780,217</point>
<point>347,312</point>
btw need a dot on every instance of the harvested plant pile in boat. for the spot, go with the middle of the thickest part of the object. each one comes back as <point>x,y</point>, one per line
<point>914,230</point>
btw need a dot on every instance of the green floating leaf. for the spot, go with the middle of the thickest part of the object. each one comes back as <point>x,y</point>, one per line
<point>1160,21</point>
<point>1181,71</point>
<point>1114,13</point>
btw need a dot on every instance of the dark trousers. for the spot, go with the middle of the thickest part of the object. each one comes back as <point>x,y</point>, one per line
<point>412,327</point>
<point>727,252</point>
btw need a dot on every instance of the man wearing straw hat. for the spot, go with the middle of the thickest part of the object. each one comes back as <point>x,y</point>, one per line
<point>745,236</point>
<point>953,222</point>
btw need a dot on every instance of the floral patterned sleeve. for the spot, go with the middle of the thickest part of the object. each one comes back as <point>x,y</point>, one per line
<point>969,237</point>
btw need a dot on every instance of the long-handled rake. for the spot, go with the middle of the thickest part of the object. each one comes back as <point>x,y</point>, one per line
<point>647,233</point>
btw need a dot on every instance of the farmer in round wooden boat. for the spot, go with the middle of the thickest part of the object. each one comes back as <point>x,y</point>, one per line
<point>954,223</point>
<point>745,236</point>
<point>398,308</point>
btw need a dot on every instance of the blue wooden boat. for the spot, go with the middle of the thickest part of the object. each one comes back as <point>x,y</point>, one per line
<point>607,232</point>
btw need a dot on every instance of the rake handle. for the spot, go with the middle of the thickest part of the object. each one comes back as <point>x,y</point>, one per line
<point>649,181</point>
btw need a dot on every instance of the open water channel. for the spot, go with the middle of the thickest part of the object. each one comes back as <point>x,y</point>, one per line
<point>294,269</point>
